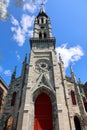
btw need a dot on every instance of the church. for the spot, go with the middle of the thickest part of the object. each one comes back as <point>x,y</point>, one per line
<point>43,97</point>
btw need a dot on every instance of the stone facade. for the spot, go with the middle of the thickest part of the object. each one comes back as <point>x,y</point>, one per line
<point>43,74</point>
<point>3,93</point>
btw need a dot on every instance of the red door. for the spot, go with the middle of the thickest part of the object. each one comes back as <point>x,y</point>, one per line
<point>43,113</point>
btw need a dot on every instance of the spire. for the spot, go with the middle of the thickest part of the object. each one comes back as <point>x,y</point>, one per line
<point>42,11</point>
<point>79,81</point>
<point>72,73</point>
<point>81,87</point>
<point>25,60</point>
<point>42,8</point>
<point>14,73</point>
<point>42,25</point>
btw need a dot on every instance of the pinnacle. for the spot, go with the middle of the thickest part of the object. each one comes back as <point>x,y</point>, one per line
<point>42,8</point>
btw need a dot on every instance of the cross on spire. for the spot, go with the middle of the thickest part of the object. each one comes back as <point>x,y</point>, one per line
<point>43,1</point>
<point>42,7</point>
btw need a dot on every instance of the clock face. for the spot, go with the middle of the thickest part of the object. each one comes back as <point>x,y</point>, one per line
<point>42,65</point>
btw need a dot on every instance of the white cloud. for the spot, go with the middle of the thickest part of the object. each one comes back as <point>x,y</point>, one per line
<point>19,35</point>
<point>26,22</point>
<point>22,29</point>
<point>18,56</point>
<point>7,2</point>
<point>37,3</point>
<point>14,21</point>
<point>40,1</point>
<point>7,72</point>
<point>30,33</point>
<point>29,7</point>
<point>3,9</point>
<point>69,55</point>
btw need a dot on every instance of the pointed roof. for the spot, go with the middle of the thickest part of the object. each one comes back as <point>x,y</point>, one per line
<point>42,12</point>
<point>42,8</point>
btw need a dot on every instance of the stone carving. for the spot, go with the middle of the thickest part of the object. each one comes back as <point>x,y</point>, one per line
<point>42,65</point>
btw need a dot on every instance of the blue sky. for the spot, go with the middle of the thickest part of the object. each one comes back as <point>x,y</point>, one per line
<point>69,26</point>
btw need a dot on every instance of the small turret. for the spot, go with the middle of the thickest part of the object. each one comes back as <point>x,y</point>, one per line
<point>80,85</point>
<point>14,74</point>
<point>24,65</point>
<point>79,81</point>
<point>25,60</point>
<point>60,58</point>
<point>72,73</point>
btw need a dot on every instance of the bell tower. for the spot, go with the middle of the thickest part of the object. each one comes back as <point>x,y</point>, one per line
<point>42,25</point>
<point>40,107</point>
<point>45,104</point>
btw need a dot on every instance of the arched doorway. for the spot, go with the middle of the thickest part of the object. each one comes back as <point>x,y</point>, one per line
<point>77,123</point>
<point>43,113</point>
<point>13,99</point>
<point>9,123</point>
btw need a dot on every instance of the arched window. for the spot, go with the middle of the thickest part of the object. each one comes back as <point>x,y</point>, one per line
<point>38,21</point>
<point>40,35</point>
<point>45,35</point>
<point>42,20</point>
<point>43,113</point>
<point>73,97</point>
<point>13,99</point>
<point>77,123</point>
<point>8,123</point>
<point>85,102</point>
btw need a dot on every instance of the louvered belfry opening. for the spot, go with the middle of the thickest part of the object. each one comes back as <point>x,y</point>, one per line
<point>43,113</point>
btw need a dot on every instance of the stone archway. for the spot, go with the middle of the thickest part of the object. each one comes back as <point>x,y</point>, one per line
<point>77,123</point>
<point>47,91</point>
<point>43,113</point>
<point>9,123</point>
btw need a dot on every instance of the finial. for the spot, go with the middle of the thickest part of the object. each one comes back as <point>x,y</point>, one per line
<point>60,58</point>
<point>42,2</point>
<point>15,69</point>
<point>79,81</point>
<point>14,73</point>
<point>26,57</point>
<point>42,7</point>
<point>72,73</point>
